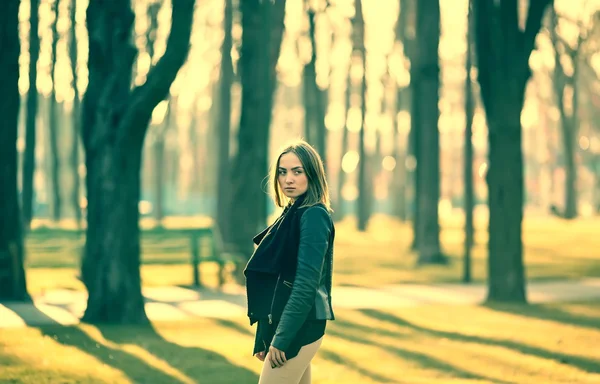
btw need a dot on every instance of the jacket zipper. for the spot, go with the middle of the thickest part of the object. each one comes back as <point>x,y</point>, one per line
<point>273,300</point>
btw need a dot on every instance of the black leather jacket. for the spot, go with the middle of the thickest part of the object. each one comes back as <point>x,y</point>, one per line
<point>310,296</point>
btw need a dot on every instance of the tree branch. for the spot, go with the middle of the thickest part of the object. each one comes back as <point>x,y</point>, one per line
<point>533,25</point>
<point>158,82</point>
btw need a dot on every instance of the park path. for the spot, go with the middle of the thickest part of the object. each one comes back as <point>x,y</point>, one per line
<point>177,303</point>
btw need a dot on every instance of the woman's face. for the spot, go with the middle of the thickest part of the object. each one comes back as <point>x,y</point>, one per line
<point>291,176</point>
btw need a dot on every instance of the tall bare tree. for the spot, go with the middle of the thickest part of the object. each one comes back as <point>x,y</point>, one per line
<point>159,131</point>
<point>12,273</point>
<point>340,210</point>
<point>76,114</point>
<point>53,124</point>
<point>28,193</point>
<point>314,97</point>
<point>115,121</point>
<point>565,84</point>
<point>468,160</point>
<point>503,51</point>
<point>405,39</point>
<point>363,204</point>
<point>262,25</point>
<point>425,84</point>
<point>224,119</point>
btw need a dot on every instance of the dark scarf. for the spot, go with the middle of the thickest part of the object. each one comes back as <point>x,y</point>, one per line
<point>275,242</point>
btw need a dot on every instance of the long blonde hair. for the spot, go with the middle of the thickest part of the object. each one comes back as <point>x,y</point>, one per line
<point>318,190</point>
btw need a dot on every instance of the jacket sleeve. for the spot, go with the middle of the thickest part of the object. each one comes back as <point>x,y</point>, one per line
<point>315,229</point>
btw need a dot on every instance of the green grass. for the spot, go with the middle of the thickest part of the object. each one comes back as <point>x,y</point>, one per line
<point>430,344</point>
<point>554,249</point>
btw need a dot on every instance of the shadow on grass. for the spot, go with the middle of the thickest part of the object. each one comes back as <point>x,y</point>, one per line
<point>585,364</point>
<point>199,364</point>
<point>30,314</point>
<point>234,326</point>
<point>544,312</point>
<point>422,359</point>
<point>135,369</point>
<point>195,363</point>
<point>338,359</point>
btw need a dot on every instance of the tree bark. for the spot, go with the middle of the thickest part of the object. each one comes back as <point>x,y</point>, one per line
<point>403,103</point>
<point>158,148</point>
<point>115,121</point>
<point>12,273</point>
<point>363,163</point>
<point>596,199</point>
<point>503,52</point>
<point>310,104</point>
<point>224,121</point>
<point>568,121</point>
<point>76,116</point>
<point>468,160</point>
<point>316,96</point>
<point>262,24</point>
<point>340,211</point>
<point>425,99</point>
<point>53,124</point>
<point>32,107</point>
<point>410,49</point>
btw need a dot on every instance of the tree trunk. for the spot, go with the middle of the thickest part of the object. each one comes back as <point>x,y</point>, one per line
<point>262,24</point>
<point>425,99</point>
<point>340,211</point>
<point>53,124</point>
<point>400,175</point>
<point>413,139</point>
<point>569,134</point>
<point>405,37</point>
<point>568,119</point>
<point>596,200</point>
<point>319,97</point>
<point>468,160</point>
<point>110,269</point>
<point>408,31</point>
<point>399,182</point>
<point>159,165</point>
<point>224,122</point>
<point>310,104</point>
<point>505,185</point>
<point>115,121</point>
<point>12,273</point>
<point>32,107</point>
<point>363,193</point>
<point>503,52</point>
<point>76,116</point>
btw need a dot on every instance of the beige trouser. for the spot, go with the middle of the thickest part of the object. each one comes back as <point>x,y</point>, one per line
<point>294,371</point>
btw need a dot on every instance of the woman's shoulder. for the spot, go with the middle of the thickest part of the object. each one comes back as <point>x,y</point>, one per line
<point>317,213</point>
<point>317,209</point>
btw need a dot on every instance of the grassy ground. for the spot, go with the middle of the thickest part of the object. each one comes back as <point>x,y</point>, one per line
<point>554,249</point>
<point>431,344</point>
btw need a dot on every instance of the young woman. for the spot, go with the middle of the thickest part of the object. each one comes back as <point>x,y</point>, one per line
<point>288,278</point>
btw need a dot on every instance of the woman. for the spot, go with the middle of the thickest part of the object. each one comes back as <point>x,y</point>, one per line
<point>288,278</point>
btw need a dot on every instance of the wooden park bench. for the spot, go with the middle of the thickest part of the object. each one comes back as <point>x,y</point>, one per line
<point>62,247</point>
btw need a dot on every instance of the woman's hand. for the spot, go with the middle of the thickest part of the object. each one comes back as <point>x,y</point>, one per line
<point>260,356</point>
<point>276,357</point>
